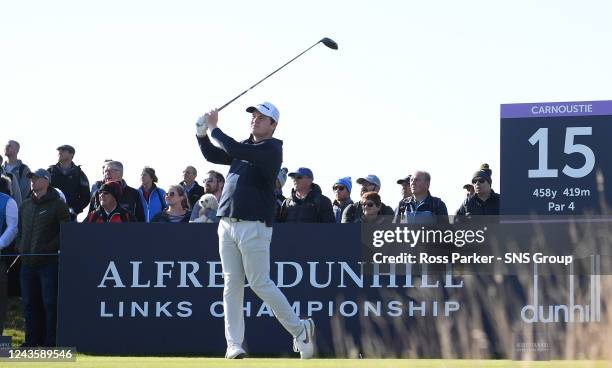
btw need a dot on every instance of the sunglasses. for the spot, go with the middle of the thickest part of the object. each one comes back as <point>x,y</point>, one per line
<point>479,180</point>
<point>170,194</point>
<point>103,193</point>
<point>339,187</point>
<point>298,177</point>
<point>369,204</point>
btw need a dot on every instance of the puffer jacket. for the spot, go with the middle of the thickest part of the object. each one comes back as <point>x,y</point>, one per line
<point>39,227</point>
<point>314,208</point>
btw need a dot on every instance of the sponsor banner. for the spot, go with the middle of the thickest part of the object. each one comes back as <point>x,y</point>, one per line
<point>156,289</point>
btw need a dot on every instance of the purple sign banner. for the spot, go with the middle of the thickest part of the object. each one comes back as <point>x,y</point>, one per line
<point>553,109</point>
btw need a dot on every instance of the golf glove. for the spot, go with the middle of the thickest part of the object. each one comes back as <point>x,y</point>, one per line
<point>202,126</point>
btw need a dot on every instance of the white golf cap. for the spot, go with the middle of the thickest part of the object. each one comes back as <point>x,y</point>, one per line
<point>266,109</point>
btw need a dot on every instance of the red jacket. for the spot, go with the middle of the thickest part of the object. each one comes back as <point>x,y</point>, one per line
<point>118,215</point>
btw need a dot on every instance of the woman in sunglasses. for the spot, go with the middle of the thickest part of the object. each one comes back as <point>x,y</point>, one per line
<point>371,204</point>
<point>178,206</point>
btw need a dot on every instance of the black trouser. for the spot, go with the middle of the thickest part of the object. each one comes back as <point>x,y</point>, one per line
<point>39,299</point>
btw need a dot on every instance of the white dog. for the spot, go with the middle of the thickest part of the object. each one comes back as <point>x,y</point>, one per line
<point>207,205</point>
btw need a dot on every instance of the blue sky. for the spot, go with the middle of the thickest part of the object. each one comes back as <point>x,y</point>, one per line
<point>414,85</point>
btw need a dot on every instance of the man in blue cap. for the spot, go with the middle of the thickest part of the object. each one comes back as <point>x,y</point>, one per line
<point>306,203</point>
<point>247,210</point>
<point>40,217</point>
<point>342,189</point>
<point>353,212</point>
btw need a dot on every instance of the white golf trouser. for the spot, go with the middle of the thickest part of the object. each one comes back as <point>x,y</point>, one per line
<point>244,247</point>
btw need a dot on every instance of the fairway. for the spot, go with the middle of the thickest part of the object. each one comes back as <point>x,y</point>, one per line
<point>147,362</point>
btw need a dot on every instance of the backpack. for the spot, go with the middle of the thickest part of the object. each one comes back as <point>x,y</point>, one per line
<point>161,199</point>
<point>21,169</point>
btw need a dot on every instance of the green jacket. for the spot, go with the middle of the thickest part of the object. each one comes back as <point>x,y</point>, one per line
<point>39,227</point>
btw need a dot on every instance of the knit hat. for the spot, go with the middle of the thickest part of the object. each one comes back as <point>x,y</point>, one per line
<point>484,173</point>
<point>282,176</point>
<point>114,188</point>
<point>346,181</point>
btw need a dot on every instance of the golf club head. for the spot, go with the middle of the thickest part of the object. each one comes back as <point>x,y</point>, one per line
<point>329,43</point>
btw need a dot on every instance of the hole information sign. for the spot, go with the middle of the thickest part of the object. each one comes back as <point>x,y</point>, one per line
<point>556,158</point>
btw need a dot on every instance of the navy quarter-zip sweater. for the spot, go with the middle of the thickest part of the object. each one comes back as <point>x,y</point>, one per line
<point>248,193</point>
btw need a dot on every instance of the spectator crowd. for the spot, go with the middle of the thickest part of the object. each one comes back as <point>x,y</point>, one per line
<point>33,204</point>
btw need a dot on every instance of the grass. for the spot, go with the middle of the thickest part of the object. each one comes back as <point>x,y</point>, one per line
<point>17,335</point>
<point>84,361</point>
<point>15,324</point>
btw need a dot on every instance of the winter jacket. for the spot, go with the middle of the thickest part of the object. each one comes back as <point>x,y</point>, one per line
<point>155,204</point>
<point>164,217</point>
<point>74,184</point>
<point>474,206</point>
<point>339,209</point>
<point>116,216</point>
<point>248,193</point>
<point>314,208</point>
<point>19,174</point>
<point>194,194</point>
<point>353,212</point>
<point>130,200</point>
<point>39,227</point>
<point>430,210</point>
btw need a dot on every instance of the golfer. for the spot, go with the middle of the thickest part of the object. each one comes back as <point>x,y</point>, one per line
<point>247,209</point>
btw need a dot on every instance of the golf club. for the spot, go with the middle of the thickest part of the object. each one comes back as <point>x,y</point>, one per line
<point>326,41</point>
<point>12,264</point>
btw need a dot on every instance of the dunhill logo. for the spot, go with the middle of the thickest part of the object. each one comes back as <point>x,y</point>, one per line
<point>570,312</point>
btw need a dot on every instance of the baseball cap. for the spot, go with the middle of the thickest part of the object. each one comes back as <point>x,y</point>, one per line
<point>468,186</point>
<point>372,179</point>
<point>404,180</point>
<point>66,147</point>
<point>40,173</point>
<point>302,171</point>
<point>267,109</point>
